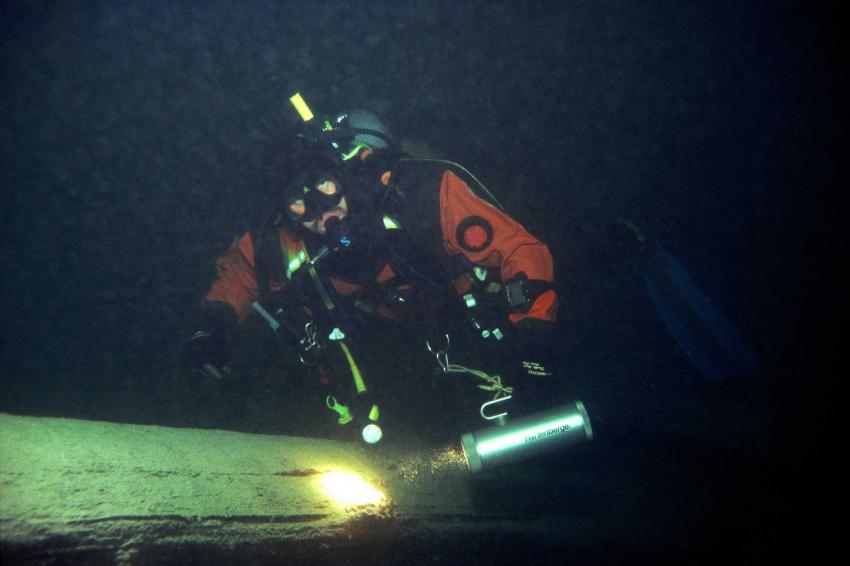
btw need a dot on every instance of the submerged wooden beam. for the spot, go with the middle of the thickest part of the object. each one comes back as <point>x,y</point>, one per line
<point>88,490</point>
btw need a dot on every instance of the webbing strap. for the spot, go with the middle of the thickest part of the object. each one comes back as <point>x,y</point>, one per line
<point>323,293</point>
<point>492,382</point>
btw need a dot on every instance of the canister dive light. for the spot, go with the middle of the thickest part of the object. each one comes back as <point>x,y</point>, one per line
<point>301,107</point>
<point>314,129</point>
<point>526,436</point>
<point>321,130</point>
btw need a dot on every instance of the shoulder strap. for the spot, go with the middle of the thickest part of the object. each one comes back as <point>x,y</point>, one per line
<point>268,256</point>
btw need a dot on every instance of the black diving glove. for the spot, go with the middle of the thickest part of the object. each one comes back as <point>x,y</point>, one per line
<point>535,355</point>
<point>376,169</point>
<point>535,388</point>
<point>208,350</point>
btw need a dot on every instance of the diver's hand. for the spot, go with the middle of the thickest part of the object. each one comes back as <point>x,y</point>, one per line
<point>375,168</point>
<point>208,350</point>
<point>208,354</point>
<point>534,386</point>
<point>535,363</point>
<point>535,350</point>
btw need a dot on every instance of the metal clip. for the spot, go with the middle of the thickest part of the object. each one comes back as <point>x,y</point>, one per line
<point>310,342</point>
<point>442,355</point>
<point>500,418</point>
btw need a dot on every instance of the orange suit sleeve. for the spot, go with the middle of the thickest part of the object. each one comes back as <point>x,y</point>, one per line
<point>236,281</point>
<point>508,246</point>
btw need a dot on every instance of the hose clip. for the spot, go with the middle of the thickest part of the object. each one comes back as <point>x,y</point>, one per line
<point>310,343</point>
<point>442,354</point>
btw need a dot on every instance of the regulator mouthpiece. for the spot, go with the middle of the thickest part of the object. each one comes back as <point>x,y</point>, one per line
<point>338,232</point>
<point>527,436</point>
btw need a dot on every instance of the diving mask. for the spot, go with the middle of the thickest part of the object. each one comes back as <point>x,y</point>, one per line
<point>315,199</point>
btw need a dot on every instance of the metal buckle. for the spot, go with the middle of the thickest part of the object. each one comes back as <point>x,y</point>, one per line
<point>517,295</point>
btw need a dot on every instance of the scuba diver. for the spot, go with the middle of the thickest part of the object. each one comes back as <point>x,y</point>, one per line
<point>365,232</point>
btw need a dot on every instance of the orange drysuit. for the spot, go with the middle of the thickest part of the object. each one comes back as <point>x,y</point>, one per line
<point>468,226</point>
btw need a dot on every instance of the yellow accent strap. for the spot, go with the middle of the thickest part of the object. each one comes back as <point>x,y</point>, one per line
<point>354,151</point>
<point>296,258</point>
<point>391,223</point>
<point>326,298</point>
<point>359,384</point>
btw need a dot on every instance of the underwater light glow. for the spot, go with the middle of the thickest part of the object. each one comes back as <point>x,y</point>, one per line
<point>349,489</point>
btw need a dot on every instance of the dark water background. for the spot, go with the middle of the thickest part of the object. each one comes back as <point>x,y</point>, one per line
<point>138,138</point>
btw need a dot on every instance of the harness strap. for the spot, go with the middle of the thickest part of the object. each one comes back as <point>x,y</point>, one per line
<point>265,250</point>
<point>320,288</point>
